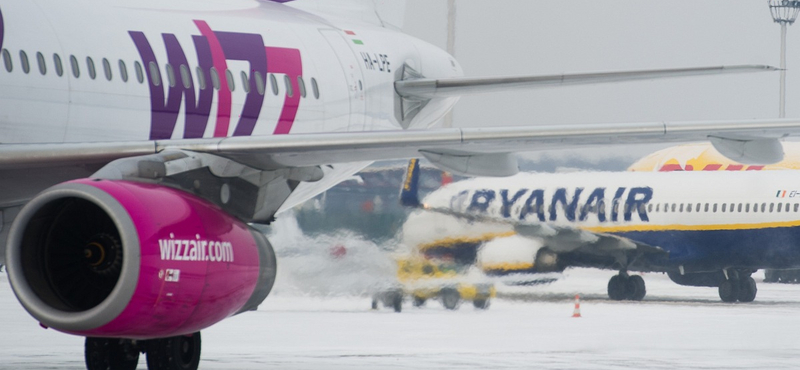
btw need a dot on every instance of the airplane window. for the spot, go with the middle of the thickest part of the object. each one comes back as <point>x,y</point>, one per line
<point>231,82</point>
<point>601,208</point>
<point>123,71</point>
<point>40,61</point>
<point>260,83</point>
<point>288,82</point>
<point>689,207</point>
<point>681,210</point>
<point>714,208</point>
<point>649,208</point>
<point>706,208</point>
<point>739,208</point>
<point>796,206</point>
<point>139,72</point>
<point>747,207</point>
<point>58,65</point>
<point>107,69</point>
<point>274,83</point>
<point>201,78</point>
<point>731,207</point>
<point>315,88</point>
<point>23,59</point>
<point>723,206</point>
<point>780,205</point>
<point>360,86</point>
<point>658,207</point>
<point>698,207</point>
<point>90,68</point>
<point>302,85</point>
<point>170,75</point>
<point>763,207</point>
<point>641,208</point>
<point>245,82</point>
<point>771,207</point>
<point>186,77</point>
<point>673,207</point>
<point>155,75</point>
<point>7,60</point>
<point>666,207</point>
<point>76,70</point>
<point>215,78</point>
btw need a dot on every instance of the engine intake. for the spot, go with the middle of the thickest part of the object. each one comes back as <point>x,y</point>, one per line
<point>124,259</point>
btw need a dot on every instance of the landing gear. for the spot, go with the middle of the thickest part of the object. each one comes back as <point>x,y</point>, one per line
<point>625,287</point>
<point>174,353</point>
<point>110,354</point>
<point>738,288</point>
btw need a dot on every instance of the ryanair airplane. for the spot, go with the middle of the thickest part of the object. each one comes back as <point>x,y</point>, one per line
<point>702,228</point>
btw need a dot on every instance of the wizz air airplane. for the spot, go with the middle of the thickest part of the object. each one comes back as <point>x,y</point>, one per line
<point>138,141</point>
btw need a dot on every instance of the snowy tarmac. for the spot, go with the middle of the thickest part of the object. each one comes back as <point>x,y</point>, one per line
<point>531,327</point>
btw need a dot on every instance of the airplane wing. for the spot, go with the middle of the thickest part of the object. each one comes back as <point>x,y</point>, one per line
<point>575,247</point>
<point>473,151</point>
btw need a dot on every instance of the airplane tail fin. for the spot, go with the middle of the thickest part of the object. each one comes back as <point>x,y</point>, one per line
<point>409,194</point>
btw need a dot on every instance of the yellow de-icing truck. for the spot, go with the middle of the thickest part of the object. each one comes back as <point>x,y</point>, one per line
<point>421,278</point>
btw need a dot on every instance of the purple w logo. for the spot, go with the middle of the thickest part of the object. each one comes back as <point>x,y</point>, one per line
<point>213,50</point>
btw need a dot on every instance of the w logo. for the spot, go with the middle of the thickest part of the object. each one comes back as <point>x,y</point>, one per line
<point>213,50</point>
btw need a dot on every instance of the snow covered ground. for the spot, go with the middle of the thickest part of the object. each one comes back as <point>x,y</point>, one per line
<point>674,328</point>
<point>319,317</point>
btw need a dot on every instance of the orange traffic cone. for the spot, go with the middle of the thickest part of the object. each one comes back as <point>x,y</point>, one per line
<point>577,311</point>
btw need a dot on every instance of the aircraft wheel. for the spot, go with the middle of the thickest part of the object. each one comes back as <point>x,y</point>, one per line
<point>747,290</point>
<point>397,302</point>
<point>174,353</point>
<point>636,288</point>
<point>481,304</point>
<point>451,299</point>
<point>618,287</point>
<point>110,354</point>
<point>374,304</point>
<point>729,290</point>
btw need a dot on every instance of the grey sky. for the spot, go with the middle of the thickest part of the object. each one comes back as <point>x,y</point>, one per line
<point>518,37</point>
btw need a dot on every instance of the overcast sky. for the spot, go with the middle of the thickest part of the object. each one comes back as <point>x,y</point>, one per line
<point>525,37</point>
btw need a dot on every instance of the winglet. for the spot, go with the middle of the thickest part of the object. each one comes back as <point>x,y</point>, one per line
<point>409,194</point>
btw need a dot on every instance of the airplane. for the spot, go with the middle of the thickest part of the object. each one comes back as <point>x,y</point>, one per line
<point>139,141</point>
<point>701,228</point>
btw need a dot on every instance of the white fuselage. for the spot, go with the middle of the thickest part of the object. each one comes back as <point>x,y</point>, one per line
<point>89,71</point>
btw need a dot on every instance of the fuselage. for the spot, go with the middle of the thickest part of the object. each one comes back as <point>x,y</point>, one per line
<point>706,221</point>
<point>88,71</point>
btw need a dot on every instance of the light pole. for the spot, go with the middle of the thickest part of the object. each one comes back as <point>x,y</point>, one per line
<point>784,12</point>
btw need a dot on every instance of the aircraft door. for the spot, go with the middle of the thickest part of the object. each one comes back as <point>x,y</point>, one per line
<point>351,68</point>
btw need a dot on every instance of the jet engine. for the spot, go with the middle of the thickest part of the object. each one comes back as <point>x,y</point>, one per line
<point>105,258</point>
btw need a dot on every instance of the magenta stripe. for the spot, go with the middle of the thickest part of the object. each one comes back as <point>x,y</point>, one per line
<point>224,102</point>
<point>288,61</point>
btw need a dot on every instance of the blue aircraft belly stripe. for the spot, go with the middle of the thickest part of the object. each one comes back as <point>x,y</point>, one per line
<point>776,247</point>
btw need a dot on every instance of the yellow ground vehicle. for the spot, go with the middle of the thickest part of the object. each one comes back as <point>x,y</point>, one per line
<point>423,279</point>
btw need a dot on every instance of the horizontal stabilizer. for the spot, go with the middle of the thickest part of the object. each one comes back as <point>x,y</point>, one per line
<point>425,88</point>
